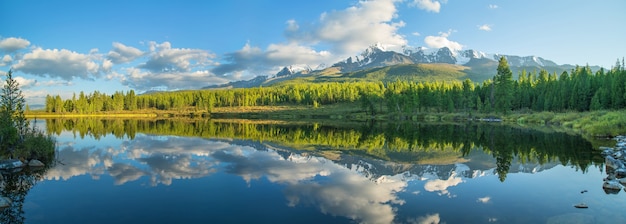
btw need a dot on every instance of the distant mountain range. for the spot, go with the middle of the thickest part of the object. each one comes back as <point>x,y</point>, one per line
<point>418,64</point>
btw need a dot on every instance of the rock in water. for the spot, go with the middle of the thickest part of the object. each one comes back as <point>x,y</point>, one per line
<point>11,164</point>
<point>35,163</point>
<point>5,202</point>
<point>613,163</point>
<point>581,205</point>
<point>611,187</point>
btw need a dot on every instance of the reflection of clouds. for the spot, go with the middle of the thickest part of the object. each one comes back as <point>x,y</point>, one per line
<point>167,158</point>
<point>74,162</point>
<point>428,219</point>
<point>145,145</point>
<point>123,173</point>
<point>164,168</point>
<point>442,185</point>
<point>484,200</point>
<point>335,189</point>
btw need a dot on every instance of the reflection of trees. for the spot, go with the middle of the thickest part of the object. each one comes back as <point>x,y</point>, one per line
<point>401,142</point>
<point>16,187</point>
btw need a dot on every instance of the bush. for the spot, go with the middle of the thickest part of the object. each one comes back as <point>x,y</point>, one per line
<point>36,145</point>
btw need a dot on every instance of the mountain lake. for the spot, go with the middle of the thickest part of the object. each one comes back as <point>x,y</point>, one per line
<point>207,171</point>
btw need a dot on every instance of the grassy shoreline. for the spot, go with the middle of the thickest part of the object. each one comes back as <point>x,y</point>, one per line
<point>594,124</point>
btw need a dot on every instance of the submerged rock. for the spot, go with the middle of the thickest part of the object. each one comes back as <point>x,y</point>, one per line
<point>581,205</point>
<point>5,202</point>
<point>11,164</point>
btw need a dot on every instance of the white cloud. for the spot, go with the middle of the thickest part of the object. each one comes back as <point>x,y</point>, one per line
<point>428,5</point>
<point>6,60</point>
<point>485,27</point>
<point>262,62</point>
<point>493,6</point>
<point>442,41</point>
<point>62,63</point>
<point>352,30</point>
<point>146,80</point>
<point>344,33</point>
<point>107,65</point>
<point>417,34</point>
<point>164,58</point>
<point>12,44</point>
<point>55,83</point>
<point>25,83</point>
<point>122,53</point>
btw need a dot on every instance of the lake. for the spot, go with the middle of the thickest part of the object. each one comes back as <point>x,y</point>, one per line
<point>203,171</point>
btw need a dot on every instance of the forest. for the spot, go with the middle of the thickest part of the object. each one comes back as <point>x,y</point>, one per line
<point>580,89</point>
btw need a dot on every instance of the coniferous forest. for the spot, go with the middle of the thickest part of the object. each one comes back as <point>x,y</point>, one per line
<point>580,89</point>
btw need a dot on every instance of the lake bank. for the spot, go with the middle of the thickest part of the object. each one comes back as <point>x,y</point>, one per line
<point>596,123</point>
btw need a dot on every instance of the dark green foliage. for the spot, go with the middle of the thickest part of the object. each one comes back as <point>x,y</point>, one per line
<point>16,139</point>
<point>578,90</point>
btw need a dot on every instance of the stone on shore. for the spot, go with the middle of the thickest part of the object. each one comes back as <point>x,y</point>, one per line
<point>35,163</point>
<point>11,164</point>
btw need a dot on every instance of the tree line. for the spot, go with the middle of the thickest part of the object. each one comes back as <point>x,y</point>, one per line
<point>580,89</point>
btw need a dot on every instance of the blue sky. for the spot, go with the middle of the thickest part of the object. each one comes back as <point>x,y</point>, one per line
<point>64,47</point>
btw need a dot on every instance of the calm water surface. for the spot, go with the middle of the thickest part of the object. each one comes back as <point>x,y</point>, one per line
<point>134,171</point>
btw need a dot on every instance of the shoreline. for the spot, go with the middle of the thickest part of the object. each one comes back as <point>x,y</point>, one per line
<point>594,123</point>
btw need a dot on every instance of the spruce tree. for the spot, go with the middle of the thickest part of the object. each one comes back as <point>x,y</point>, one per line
<point>13,123</point>
<point>503,87</point>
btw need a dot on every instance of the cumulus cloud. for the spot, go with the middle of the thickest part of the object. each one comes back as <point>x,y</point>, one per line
<point>146,80</point>
<point>122,53</point>
<point>351,30</point>
<point>428,5</point>
<point>491,6</point>
<point>346,32</point>
<point>62,63</point>
<point>164,58</point>
<point>485,27</point>
<point>6,60</point>
<point>442,41</point>
<point>268,60</point>
<point>12,44</point>
<point>25,83</point>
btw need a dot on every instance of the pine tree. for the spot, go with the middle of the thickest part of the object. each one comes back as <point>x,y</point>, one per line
<point>503,87</point>
<point>13,123</point>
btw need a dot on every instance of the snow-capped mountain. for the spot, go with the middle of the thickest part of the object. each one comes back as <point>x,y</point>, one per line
<point>293,69</point>
<point>480,64</point>
<point>375,56</point>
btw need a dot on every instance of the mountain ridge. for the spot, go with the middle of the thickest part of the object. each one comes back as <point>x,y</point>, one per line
<point>480,66</point>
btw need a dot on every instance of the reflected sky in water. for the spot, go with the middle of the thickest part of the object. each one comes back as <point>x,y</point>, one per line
<point>170,179</point>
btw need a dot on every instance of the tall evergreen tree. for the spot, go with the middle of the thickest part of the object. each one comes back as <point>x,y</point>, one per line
<point>503,87</point>
<point>13,123</point>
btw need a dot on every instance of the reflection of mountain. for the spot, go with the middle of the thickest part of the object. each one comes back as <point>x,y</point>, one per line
<point>406,143</point>
<point>353,179</point>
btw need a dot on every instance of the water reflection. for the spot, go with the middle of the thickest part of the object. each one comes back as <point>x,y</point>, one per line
<point>369,174</point>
